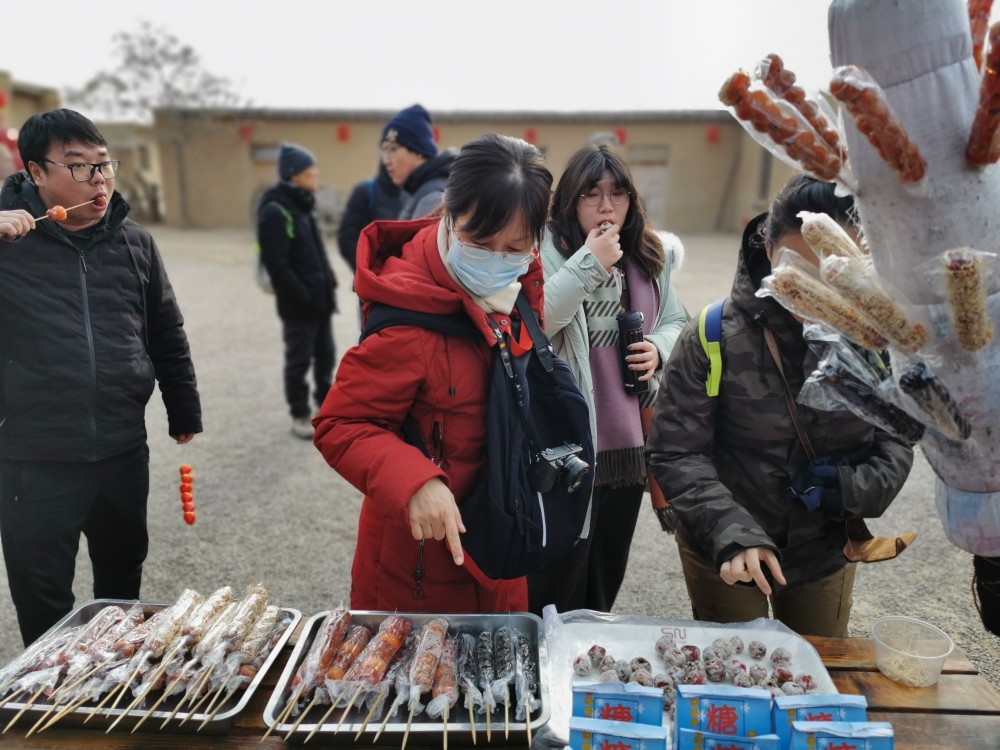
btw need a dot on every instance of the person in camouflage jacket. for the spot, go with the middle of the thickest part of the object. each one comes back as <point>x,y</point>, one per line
<point>728,460</point>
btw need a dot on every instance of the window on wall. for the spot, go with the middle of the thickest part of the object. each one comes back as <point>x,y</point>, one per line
<point>265,153</point>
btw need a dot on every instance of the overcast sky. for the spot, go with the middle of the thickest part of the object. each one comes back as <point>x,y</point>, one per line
<point>606,55</point>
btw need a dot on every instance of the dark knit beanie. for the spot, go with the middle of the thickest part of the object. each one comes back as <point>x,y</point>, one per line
<point>411,129</point>
<point>293,159</point>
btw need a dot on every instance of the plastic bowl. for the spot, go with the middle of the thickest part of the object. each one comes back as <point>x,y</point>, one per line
<point>910,651</point>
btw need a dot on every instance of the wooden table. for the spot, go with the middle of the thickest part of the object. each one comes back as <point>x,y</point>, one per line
<point>961,711</point>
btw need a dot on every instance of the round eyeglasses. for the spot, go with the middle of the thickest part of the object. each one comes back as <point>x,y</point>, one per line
<point>84,172</point>
<point>478,252</point>
<point>619,196</point>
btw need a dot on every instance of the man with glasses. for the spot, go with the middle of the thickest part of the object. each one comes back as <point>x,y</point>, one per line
<point>90,325</point>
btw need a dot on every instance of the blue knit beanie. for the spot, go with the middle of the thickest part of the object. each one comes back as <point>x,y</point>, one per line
<point>292,160</point>
<point>411,128</point>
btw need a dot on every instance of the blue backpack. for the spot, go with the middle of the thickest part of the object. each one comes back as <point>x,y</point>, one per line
<point>710,333</point>
<point>529,504</point>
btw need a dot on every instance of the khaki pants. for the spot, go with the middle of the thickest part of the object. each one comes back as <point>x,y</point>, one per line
<point>821,607</point>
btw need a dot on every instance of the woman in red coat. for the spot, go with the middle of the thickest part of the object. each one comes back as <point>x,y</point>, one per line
<point>472,258</point>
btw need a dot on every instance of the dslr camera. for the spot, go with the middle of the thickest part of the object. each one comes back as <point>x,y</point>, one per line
<point>561,463</point>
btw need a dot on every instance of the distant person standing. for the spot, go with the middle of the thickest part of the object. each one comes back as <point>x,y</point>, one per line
<point>411,157</point>
<point>293,252</point>
<point>89,326</point>
<point>375,198</point>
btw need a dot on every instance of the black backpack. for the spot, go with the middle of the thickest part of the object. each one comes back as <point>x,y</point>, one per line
<point>530,502</point>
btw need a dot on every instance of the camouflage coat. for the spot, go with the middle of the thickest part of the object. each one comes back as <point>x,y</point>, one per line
<point>725,462</point>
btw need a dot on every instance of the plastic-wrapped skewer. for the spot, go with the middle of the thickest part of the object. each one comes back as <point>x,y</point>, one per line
<point>242,665</point>
<point>779,127</point>
<point>966,291</point>
<point>375,698</point>
<point>33,658</point>
<point>804,295</point>
<point>918,382</point>
<point>864,99</point>
<point>484,662</point>
<point>861,287</point>
<point>444,692</point>
<point>826,237</point>
<point>983,146</point>
<point>401,679</point>
<point>505,663</point>
<point>159,641</point>
<point>373,662</point>
<point>979,20</point>
<point>525,681</point>
<point>354,643</point>
<point>781,82</point>
<point>317,660</point>
<point>101,650</point>
<point>469,677</point>
<point>432,638</point>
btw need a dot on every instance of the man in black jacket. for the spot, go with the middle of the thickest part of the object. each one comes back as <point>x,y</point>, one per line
<point>292,250</point>
<point>372,199</point>
<point>89,324</point>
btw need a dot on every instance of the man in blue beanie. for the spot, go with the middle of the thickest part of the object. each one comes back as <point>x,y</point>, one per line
<point>411,157</point>
<point>292,250</point>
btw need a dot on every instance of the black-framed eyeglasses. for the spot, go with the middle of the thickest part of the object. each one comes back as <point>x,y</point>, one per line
<point>84,172</point>
<point>619,196</point>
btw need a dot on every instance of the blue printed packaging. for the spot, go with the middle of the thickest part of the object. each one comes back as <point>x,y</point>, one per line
<point>723,709</point>
<point>836,707</point>
<point>691,739</point>
<point>617,701</point>
<point>594,734</point>
<point>842,735</point>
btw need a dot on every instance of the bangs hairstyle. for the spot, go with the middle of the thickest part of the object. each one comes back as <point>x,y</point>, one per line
<point>805,193</point>
<point>585,169</point>
<point>496,179</point>
<point>60,126</point>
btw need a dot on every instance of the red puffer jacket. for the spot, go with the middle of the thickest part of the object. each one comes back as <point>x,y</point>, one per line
<point>442,382</point>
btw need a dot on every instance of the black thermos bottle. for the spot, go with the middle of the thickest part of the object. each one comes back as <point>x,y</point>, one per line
<point>630,332</point>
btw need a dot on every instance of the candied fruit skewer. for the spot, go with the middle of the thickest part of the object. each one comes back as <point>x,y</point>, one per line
<point>58,213</point>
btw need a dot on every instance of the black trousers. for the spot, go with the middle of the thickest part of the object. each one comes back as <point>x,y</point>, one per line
<point>45,505</point>
<point>590,576</point>
<point>307,344</point>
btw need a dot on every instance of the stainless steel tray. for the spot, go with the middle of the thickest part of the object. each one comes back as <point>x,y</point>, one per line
<point>103,719</point>
<point>424,731</point>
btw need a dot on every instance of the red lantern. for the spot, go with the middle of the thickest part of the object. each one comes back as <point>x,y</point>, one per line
<point>437,133</point>
<point>531,136</point>
<point>713,134</point>
<point>343,133</point>
<point>621,135</point>
<point>246,132</point>
<point>3,99</point>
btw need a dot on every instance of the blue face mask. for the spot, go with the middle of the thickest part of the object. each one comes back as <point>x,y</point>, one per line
<point>482,272</point>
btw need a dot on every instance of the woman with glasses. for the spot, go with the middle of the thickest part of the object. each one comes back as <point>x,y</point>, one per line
<point>601,259</point>
<point>472,259</point>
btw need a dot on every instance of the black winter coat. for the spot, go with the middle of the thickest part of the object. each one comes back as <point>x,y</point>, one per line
<point>371,200</point>
<point>84,337</point>
<point>299,268</point>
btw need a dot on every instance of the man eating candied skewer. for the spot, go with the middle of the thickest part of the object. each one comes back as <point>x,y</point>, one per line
<point>90,325</point>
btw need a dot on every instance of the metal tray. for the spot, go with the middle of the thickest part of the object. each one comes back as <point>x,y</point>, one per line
<point>424,731</point>
<point>219,723</point>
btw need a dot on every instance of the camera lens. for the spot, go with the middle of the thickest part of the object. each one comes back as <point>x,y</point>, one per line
<point>574,472</point>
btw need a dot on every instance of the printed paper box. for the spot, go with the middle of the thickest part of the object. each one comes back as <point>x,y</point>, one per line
<point>791,708</point>
<point>616,701</point>
<point>594,734</point>
<point>691,739</point>
<point>842,735</point>
<point>722,709</point>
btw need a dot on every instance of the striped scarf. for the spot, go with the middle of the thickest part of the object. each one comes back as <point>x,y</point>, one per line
<point>620,443</point>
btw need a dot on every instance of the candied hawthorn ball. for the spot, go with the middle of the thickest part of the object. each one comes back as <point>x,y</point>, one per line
<point>736,643</point>
<point>693,653</point>
<point>722,646</point>
<point>607,662</point>
<point>662,680</point>
<point>596,654</point>
<point>623,670</point>
<point>780,657</point>
<point>669,696</point>
<point>790,688</point>
<point>57,213</point>
<point>640,663</point>
<point>735,667</point>
<point>715,670</point>
<point>758,673</point>
<point>710,653</point>
<point>581,665</point>
<point>609,675</point>
<point>695,677</point>
<point>674,657</point>
<point>805,681</point>
<point>642,677</point>
<point>664,643</point>
<point>782,675</point>
<point>742,680</point>
<point>756,650</point>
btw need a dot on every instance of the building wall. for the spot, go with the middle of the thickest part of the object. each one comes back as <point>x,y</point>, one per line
<point>698,172</point>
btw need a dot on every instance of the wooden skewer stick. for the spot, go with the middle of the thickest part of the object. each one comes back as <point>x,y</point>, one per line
<point>138,699</point>
<point>527,718</point>
<point>170,689</point>
<point>350,703</point>
<point>444,737</point>
<point>333,704</point>
<point>71,706</point>
<point>67,210</point>
<point>489,724</point>
<point>151,710</point>
<point>406,734</point>
<point>11,697</point>
<point>124,686</point>
<point>24,708</point>
<point>472,723</point>
<point>194,709</point>
<point>215,700</point>
<point>301,716</point>
<point>77,680</point>
<point>218,708</point>
<point>44,716</point>
<point>385,722</point>
<point>105,699</point>
<point>506,717</point>
<point>371,713</point>
<point>292,700</point>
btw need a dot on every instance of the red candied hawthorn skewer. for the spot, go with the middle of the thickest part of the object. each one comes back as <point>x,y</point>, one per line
<point>58,213</point>
<point>187,493</point>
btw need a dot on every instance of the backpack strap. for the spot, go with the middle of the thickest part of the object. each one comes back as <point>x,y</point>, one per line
<point>540,342</point>
<point>385,316</point>
<point>371,196</point>
<point>289,219</point>
<point>710,333</point>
